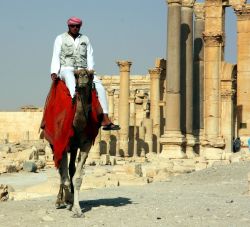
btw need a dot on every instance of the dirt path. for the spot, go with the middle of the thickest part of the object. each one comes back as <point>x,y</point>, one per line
<point>211,197</point>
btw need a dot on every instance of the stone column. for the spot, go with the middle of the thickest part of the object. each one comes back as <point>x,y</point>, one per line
<point>198,75</point>
<point>228,75</point>
<point>173,141</point>
<point>155,105</point>
<point>135,137</point>
<point>134,123</point>
<point>111,103</point>
<point>213,38</point>
<point>141,140</point>
<point>148,124</point>
<point>243,66</point>
<point>162,64</point>
<point>198,70</point>
<point>123,111</point>
<point>187,74</point>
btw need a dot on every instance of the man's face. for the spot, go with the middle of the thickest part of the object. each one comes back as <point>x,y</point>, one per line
<point>74,29</point>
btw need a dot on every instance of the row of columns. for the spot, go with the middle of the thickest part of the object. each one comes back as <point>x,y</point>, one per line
<point>175,138</point>
<point>200,84</point>
<point>186,83</point>
<point>152,124</point>
<point>193,94</point>
<point>147,137</point>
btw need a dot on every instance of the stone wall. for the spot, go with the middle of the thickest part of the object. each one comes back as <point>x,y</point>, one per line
<point>18,126</point>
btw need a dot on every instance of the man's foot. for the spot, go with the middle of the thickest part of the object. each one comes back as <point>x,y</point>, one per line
<point>111,126</point>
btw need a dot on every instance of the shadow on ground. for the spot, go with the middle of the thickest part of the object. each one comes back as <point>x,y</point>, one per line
<point>87,205</point>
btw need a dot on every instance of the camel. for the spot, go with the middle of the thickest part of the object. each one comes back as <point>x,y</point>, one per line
<point>71,175</point>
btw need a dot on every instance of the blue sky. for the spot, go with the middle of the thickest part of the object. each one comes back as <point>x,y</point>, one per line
<point>132,30</point>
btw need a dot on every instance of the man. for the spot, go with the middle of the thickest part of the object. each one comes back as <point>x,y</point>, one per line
<point>72,50</point>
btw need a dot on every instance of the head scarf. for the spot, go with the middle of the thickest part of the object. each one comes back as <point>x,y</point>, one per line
<point>74,20</point>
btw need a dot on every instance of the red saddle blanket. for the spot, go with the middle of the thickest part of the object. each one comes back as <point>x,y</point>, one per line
<point>58,116</point>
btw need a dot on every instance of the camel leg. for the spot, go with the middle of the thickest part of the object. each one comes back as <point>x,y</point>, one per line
<point>77,180</point>
<point>69,190</point>
<point>64,182</point>
<point>72,167</point>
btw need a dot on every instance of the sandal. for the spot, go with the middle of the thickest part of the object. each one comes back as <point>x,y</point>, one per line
<point>111,126</point>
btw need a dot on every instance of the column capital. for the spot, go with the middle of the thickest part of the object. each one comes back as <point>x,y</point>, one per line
<point>213,3</point>
<point>215,38</point>
<point>243,13</point>
<point>199,11</point>
<point>188,3</point>
<point>237,4</point>
<point>169,2</point>
<point>111,92</point>
<point>155,73</point>
<point>124,65</point>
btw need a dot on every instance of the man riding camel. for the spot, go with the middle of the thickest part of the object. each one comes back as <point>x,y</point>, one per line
<point>73,51</point>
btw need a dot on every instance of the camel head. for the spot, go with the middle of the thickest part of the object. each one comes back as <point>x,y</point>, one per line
<point>83,77</point>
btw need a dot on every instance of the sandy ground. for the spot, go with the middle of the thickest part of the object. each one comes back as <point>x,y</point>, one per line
<point>211,197</point>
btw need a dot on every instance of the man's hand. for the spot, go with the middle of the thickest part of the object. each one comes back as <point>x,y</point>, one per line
<point>54,76</point>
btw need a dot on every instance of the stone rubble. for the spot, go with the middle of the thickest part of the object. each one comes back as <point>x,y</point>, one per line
<point>110,171</point>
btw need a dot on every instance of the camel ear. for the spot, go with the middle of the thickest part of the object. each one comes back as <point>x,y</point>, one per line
<point>91,72</point>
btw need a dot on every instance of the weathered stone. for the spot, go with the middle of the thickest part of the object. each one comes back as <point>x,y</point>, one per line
<point>184,162</point>
<point>4,193</point>
<point>237,157</point>
<point>165,165</point>
<point>5,148</point>
<point>183,169</point>
<point>149,171</point>
<point>112,160</point>
<point>105,159</point>
<point>24,155</point>
<point>40,164</point>
<point>133,169</point>
<point>29,166</point>
<point>211,153</point>
<point>34,154</point>
<point>151,156</point>
<point>200,166</point>
<point>11,168</point>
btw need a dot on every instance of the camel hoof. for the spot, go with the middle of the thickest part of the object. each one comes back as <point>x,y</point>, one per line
<point>77,213</point>
<point>69,207</point>
<point>60,206</point>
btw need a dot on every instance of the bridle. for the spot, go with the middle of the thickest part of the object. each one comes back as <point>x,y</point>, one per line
<point>84,84</point>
